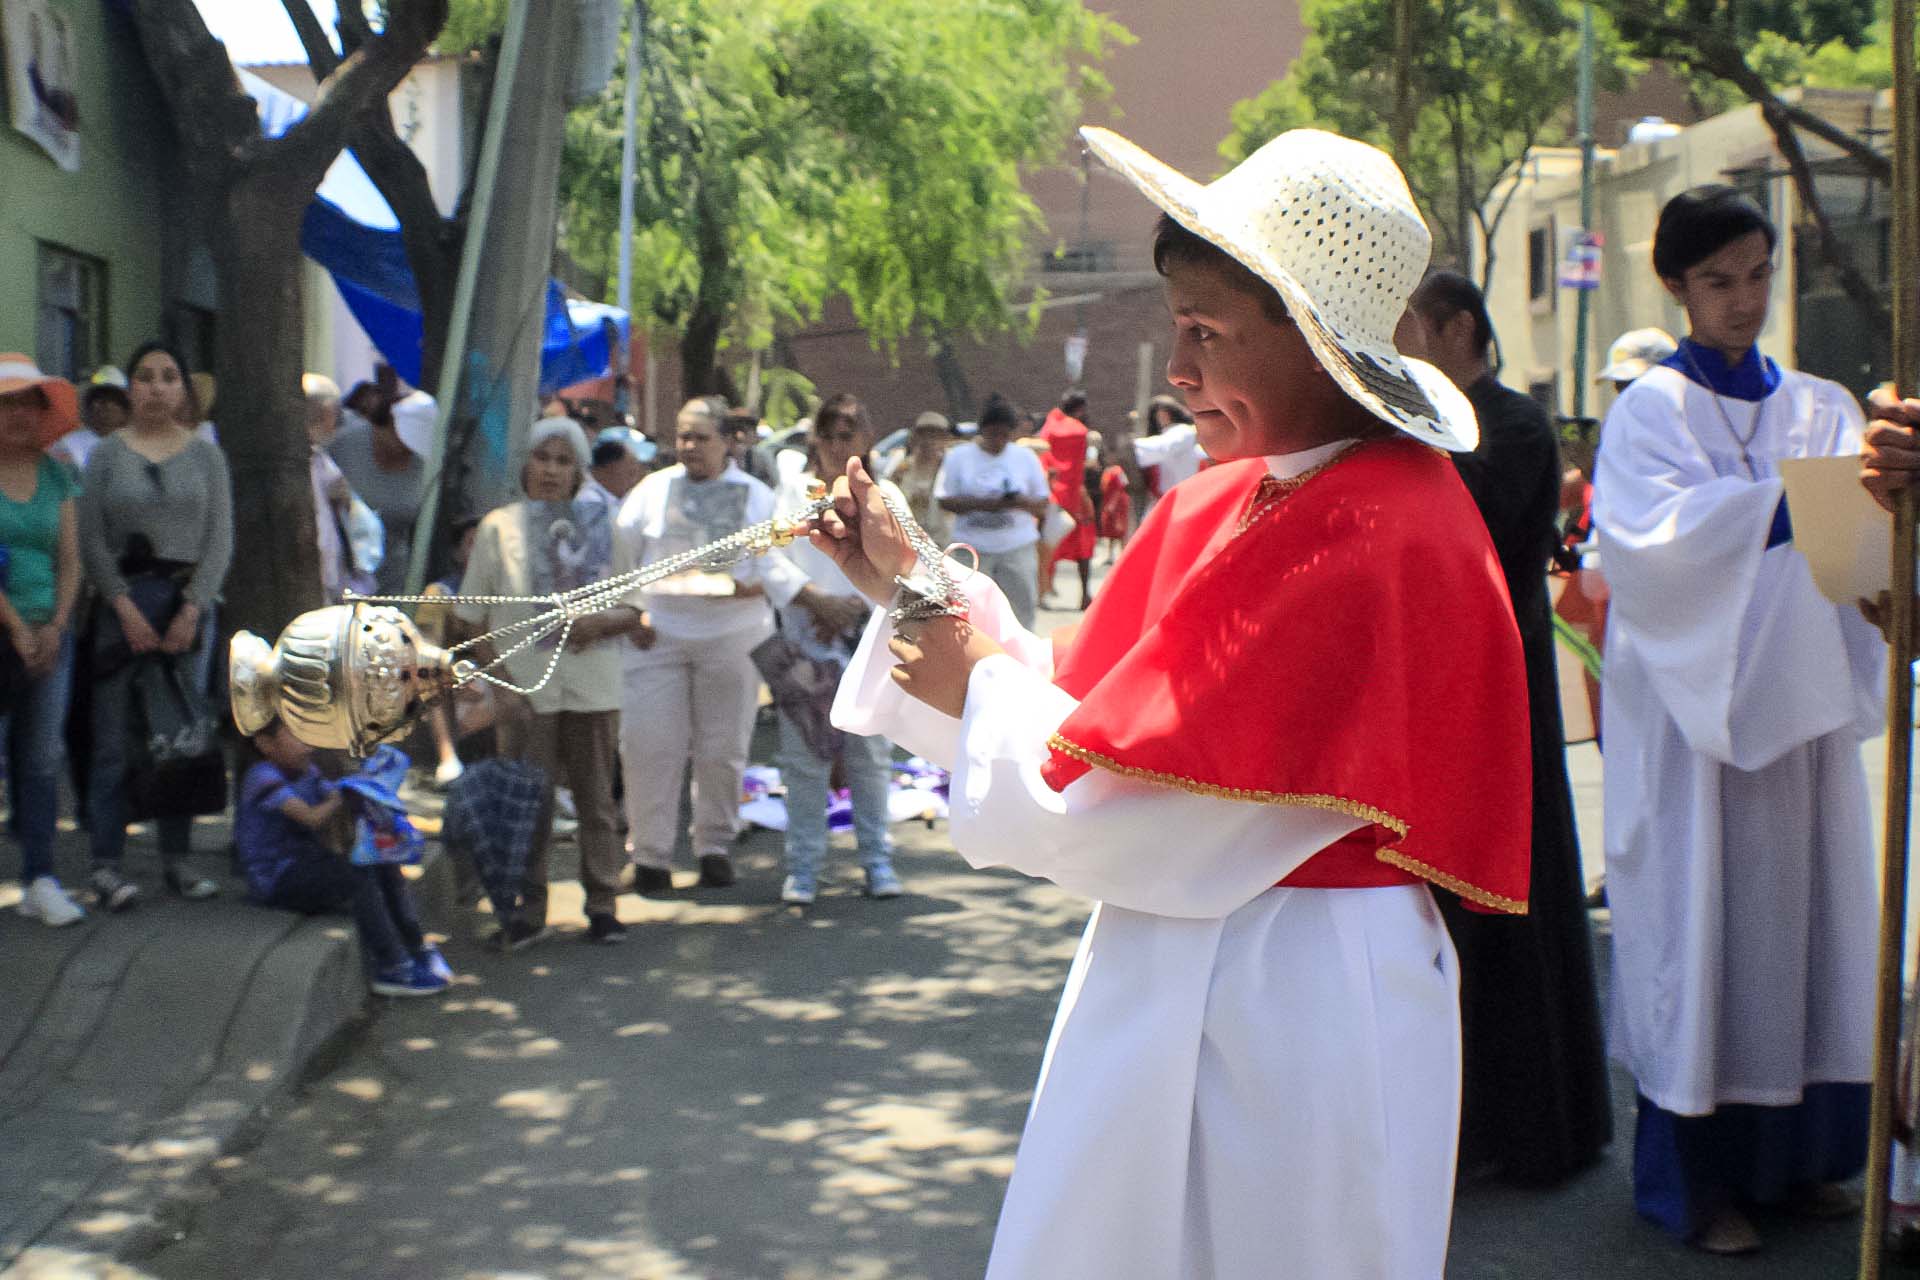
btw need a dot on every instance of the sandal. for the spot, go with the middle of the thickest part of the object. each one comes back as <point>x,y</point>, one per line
<point>1727,1234</point>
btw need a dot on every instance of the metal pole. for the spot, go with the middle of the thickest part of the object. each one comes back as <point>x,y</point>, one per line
<point>453,363</point>
<point>1893,884</point>
<point>636,36</point>
<point>1402,81</point>
<point>1583,304</point>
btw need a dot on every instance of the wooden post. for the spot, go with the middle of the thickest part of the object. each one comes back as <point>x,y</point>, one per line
<point>1893,887</point>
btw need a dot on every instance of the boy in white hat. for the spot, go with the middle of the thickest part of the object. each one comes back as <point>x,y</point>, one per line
<point>1297,700</point>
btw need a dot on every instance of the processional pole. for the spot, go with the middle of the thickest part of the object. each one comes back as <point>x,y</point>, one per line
<point>1893,889</point>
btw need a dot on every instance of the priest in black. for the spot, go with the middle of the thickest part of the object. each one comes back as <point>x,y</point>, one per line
<point>1534,1107</point>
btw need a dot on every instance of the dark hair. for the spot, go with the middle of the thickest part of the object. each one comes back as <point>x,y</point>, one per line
<point>1074,402</point>
<point>842,406</point>
<point>998,411</point>
<point>1174,245</point>
<point>460,526</point>
<point>172,352</point>
<point>104,391</point>
<point>1698,223</point>
<point>1445,294</point>
<point>737,420</point>
<point>608,452</point>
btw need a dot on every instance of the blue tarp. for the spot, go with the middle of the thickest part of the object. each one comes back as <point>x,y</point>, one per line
<point>350,231</point>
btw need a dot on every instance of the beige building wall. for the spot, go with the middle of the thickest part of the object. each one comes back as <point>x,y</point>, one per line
<point>1631,185</point>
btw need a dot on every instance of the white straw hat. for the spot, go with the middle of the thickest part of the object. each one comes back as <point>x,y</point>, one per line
<point>414,415</point>
<point>1634,352</point>
<point>1329,223</point>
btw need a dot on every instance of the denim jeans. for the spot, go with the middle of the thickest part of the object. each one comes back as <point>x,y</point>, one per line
<point>868,763</point>
<point>32,738</point>
<point>106,790</point>
<point>382,905</point>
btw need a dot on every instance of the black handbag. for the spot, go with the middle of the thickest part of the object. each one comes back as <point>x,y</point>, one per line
<point>175,768</point>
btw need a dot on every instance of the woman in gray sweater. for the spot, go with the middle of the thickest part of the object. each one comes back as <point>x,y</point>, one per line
<point>156,501</point>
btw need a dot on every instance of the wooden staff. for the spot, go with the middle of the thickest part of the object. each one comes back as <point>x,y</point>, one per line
<point>1893,889</point>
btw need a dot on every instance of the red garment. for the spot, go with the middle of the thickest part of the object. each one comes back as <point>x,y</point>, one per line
<point>1116,504</point>
<point>1350,648</point>
<point>1066,462</point>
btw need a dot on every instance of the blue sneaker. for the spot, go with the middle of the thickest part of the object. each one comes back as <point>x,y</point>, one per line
<point>429,961</point>
<point>882,882</point>
<point>407,978</point>
<point>798,890</point>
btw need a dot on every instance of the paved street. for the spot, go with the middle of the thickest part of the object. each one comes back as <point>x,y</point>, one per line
<point>748,1092</point>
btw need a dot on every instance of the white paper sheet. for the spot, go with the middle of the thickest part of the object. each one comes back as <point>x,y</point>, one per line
<point>1845,535</point>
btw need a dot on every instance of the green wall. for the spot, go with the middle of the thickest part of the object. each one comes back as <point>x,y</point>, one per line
<point>112,209</point>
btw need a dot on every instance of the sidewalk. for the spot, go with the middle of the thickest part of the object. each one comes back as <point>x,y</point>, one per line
<point>137,1048</point>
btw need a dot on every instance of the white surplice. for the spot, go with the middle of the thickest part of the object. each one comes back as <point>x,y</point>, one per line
<point>1242,1080</point>
<point>1740,854</point>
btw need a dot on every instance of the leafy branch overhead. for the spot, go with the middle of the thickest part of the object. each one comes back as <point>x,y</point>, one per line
<point>1491,80</point>
<point>795,149</point>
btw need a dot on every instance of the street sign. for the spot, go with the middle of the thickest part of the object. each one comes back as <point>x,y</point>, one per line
<point>1580,265</point>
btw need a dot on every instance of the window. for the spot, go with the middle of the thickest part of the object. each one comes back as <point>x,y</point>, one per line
<point>72,327</point>
<point>1542,268</point>
<point>1084,256</point>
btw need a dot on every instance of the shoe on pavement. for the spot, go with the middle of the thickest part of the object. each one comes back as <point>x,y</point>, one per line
<point>1727,1234</point>
<point>114,891</point>
<point>184,884</point>
<point>883,883</point>
<point>408,978</point>
<point>48,903</point>
<point>429,960</point>
<point>798,890</point>
<point>563,806</point>
<point>605,927</point>
<point>716,871</point>
<point>652,882</point>
<point>518,935</point>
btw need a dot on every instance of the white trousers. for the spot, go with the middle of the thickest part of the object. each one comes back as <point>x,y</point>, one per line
<point>686,699</point>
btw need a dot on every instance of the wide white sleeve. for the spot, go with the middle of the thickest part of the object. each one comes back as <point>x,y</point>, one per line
<point>1135,844</point>
<point>868,702</point>
<point>1738,645</point>
<point>1152,451</point>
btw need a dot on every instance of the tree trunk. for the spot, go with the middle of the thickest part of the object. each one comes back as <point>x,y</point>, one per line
<point>953,378</point>
<point>700,373</point>
<point>261,411</point>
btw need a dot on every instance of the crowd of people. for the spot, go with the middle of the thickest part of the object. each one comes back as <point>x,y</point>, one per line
<point>1324,670</point>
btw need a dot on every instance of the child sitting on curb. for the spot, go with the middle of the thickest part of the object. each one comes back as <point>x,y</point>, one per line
<point>285,805</point>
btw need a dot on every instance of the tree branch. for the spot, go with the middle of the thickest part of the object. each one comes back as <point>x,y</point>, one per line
<point>210,111</point>
<point>365,77</point>
<point>354,30</point>
<point>313,38</point>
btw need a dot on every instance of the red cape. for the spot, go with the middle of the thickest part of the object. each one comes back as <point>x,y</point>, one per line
<point>1351,648</point>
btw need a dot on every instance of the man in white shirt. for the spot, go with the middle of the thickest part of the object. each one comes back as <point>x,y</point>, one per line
<point>1176,451</point>
<point>621,458</point>
<point>692,692</point>
<point>997,497</point>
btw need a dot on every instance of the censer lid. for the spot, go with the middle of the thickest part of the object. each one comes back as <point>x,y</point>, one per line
<point>253,688</point>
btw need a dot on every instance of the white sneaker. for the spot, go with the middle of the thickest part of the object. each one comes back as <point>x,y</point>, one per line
<point>448,772</point>
<point>48,903</point>
<point>797,890</point>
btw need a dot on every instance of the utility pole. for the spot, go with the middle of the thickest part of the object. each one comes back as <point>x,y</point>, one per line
<point>1583,304</point>
<point>1402,81</point>
<point>636,38</point>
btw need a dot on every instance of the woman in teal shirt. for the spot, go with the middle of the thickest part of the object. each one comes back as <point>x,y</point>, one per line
<point>40,581</point>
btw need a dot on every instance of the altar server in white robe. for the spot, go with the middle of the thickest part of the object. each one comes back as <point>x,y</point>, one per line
<point>1298,697</point>
<point>1740,862</point>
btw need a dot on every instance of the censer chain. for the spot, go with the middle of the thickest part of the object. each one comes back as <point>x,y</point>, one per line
<point>920,600</point>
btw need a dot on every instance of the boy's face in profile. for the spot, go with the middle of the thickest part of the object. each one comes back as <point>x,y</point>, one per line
<point>282,750</point>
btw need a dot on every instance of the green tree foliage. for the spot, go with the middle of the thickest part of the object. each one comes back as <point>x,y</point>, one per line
<point>1491,79</point>
<point>795,149</point>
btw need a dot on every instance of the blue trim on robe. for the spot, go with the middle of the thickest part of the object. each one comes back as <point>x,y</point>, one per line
<point>1687,1167</point>
<point>1755,377</point>
<point>1782,530</point>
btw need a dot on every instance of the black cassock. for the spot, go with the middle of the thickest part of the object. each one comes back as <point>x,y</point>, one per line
<point>1534,1105</point>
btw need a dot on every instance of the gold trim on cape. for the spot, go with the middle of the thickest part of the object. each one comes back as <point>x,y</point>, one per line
<point>1334,804</point>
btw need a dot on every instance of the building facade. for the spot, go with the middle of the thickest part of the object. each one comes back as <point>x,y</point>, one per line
<point>88,269</point>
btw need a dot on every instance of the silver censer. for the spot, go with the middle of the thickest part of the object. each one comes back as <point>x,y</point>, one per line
<point>347,677</point>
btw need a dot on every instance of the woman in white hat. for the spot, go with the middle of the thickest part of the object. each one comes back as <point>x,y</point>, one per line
<point>1297,700</point>
<point>41,581</point>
